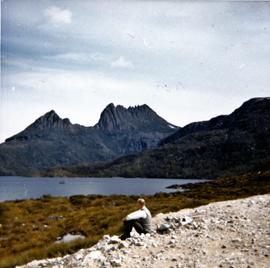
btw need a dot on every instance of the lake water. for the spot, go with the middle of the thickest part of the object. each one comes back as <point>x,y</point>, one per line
<point>12,188</point>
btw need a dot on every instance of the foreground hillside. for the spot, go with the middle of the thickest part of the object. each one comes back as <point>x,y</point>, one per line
<point>226,145</point>
<point>30,228</point>
<point>224,234</point>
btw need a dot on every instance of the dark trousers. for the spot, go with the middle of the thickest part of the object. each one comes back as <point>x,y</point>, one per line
<point>128,225</point>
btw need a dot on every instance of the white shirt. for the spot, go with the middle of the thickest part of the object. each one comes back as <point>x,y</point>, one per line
<point>139,214</point>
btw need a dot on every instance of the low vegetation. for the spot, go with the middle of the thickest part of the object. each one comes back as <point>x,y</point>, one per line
<point>29,228</point>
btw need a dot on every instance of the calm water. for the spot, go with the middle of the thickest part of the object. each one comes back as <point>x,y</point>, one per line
<point>12,188</point>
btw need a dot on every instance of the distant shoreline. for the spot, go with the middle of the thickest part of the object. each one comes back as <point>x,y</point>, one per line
<point>23,188</point>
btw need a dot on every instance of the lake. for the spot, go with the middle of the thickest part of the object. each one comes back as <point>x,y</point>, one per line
<point>13,188</point>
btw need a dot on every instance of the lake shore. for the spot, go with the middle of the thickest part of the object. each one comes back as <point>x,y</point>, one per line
<point>20,188</point>
<point>30,228</point>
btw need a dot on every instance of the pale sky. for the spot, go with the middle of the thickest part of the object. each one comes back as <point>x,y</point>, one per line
<point>188,60</point>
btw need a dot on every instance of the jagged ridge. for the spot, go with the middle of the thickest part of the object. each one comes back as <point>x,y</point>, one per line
<point>118,118</point>
<point>48,121</point>
<point>51,141</point>
<point>225,145</point>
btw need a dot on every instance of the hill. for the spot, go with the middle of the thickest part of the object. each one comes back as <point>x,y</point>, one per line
<point>225,145</point>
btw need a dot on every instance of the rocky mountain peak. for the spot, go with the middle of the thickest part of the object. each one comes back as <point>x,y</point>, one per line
<point>50,116</point>
<point>51,113</point>
<point>118,118</point>
<point>109,107</point>
<point>48,121</point>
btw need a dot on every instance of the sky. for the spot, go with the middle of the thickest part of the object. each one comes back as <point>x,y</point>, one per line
<point>188,60</point>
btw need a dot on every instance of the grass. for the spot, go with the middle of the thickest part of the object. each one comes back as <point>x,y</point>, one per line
<point>29,228</point>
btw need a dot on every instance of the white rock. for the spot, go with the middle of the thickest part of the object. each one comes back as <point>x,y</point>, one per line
<point>172,241</point>
<point>78,256</point>
<point>116,263</point>
<point>95,255</point>
<point>123,244</point>
<point>106,237</point>
<point>125,251</point>
<point>186,220</point>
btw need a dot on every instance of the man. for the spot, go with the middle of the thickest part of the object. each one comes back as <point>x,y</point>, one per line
<point>139,219</point>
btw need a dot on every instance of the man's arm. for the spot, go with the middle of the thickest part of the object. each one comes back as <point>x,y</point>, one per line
<point>136,215</point>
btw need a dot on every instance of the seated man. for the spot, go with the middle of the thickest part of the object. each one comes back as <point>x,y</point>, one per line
<point>139,219</point>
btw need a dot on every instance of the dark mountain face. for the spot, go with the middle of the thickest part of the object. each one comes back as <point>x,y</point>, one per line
<point>51,141</point>
<point>252,115</point>
<point>134,129</point>
<point>50,122</point>
<point>225,145</point>
<point>119,119</point>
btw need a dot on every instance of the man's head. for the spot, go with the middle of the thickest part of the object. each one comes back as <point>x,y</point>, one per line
<point>140,202</point>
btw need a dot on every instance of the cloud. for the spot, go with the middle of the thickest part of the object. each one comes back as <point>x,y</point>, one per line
<point>58,16</point>
<point>82,58</point>
<point>70,56</point>
<point>121,62</point>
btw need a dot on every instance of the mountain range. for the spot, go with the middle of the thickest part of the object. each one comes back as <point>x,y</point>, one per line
<point>136,142</point>
<point>225,145</point>
<point>52,142</point>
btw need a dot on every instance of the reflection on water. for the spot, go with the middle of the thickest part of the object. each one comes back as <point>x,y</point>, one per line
<point>69,237</point>
<point>12,188</point>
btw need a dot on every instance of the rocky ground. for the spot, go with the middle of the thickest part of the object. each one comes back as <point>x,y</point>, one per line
<point>224,234</point>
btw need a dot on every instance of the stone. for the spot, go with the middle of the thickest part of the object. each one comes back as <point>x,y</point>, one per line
<point>106,237</point>
<point>114,240</point>
<point>56,217</point>
<point>139,244</point>
<point>116,263</point>
<point>164,228</point>
<point>172,241</point>
<point>186,220</point>
<point>123,244</point>
<point>95,255</point>
<point>236,240</point>
<point>79,255</point>
<point>105,264</point>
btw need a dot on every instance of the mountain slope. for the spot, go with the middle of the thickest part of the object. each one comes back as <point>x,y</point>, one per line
<point>232,144</point>
<point>253,114</point>
<point>51,141</point>
<point>131,130</point>
<point>118,119</point>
